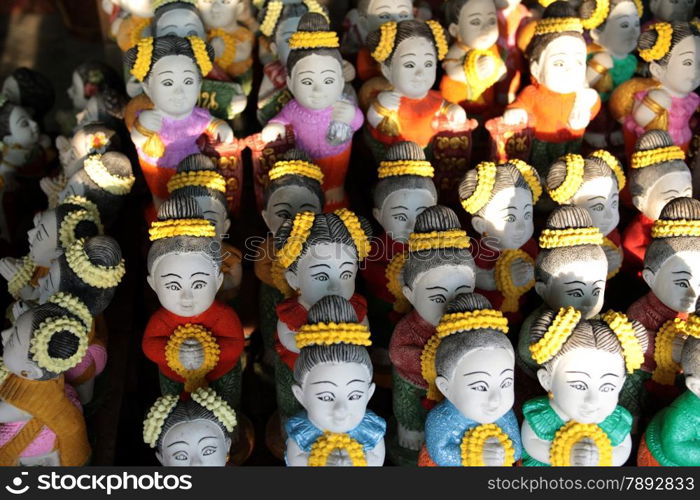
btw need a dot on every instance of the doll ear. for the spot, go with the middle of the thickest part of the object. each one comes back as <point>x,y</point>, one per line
<point>159,456</point>
<point>649,277</point>
<point>273,47</point>
<point>541,289</point>
<point>453,30</point>
<point>62,143</point>
<point>227,442</point>
<point>151,282</point>
<point>535,70</point>
<point>443,385</point>
<point>545,378</point>
<point>370,390</point>
<point>638,201</point>
<point>479,224</point>
<point>375,213</point>
<point>265,216</point>
<point>219,279</point>
<point>146,90</point>
<point>595,34</point>
<point>227,225</point>
<point>656,70</point>
<point>386,71</point>
<point>292,280</point>
<point>692,382</point>
<point>298,393</point>
<point>408,293</point>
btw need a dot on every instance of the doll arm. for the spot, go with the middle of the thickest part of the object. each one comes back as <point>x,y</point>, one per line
<point>287,337</point>
<point>244,44</point>
<point>276,127</point>
<point>652,109</point>
<point>598,67</point>
<point>535,447</point>
<point>454,64</point>
<point>220,131</point>
<point>146,126</point>
<point>678,437</point>
<point>295,456</point>
<point>231,340</point>
<point>155,338</point>
<point>375,456</point>
<point>520,110</point>
<point>485,279</point>
<point>622,451</point>
<point>383,113</point>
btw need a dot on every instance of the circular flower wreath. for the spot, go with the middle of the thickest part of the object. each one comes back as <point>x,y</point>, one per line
<point>474,440</point>
<point>329,441</point>
<point>39,344</point>
<point>571,433</point>
<point>194,379</point>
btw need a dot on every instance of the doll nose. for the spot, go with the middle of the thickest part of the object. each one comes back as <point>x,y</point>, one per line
<point>340,408</point>
<point>591,398</point>
<point>333,286</point>
<point>187,295</point>
<point>494,398</point>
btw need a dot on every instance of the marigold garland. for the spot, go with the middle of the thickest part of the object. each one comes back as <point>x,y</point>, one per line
<point>664,36</point>
<point>4,372</point>
<point>441,46</point>
<point>95,275</point>
<point>194,379</point>
<point>640,7</point>
<point>556,335</point>
<point>66,232</point>
<point>393,278</point>
<point>209,399</point>
<point>359,237</point>
<point>157,415</point>
<point>558,25</point>
<point>139,24</point>
<point>303,40</point>
<point>614,165</point>
<point>209,179</point>
<point>39,344</point>
<point>573,432</point>
<point>675,228</point>
<point>531,177</point>
<point>144,59</point>
<point>624,330</point>
<point>570,237</point>
<point>295,167</point>
<point>573,180</point>
<point>278,279</point>
<point>170,228</point>
<point>598,16</point>
<point>387,39</point>
<point>329,441</point>
<point>22,277</point>
<point>504,279</point>
<point>201,57</point>
<point>476,81</point>
<point>91,207</point>
<point>666,367</point>
<point>74,305</point>
<point>419,168</point>
<point>273,10</point>
<point>454,238</point>
<point>226,59</point>
<point>641,159</point>
<point>474,440</point>
<point>301,228</point>
<point>607,242</point>
<point>333,333</point>
<point>113,184</point>
<point>485,180</point>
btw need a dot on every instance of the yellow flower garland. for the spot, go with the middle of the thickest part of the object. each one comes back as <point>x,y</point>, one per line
<point>571,433</point>
<point>201,57</point>
<point>573,180</point>
<point>664,36</point>
<point>531,177</point>
<point>439,36</point>
<point>607,242</point>
<point>39,344</point>
<point>329,441</point>
<point>22,277</point>
<point>504,279</point>
<point>4,372</point>
<point>170,228</point>
<point>295,167</point>
<point>598,16</point>
<point>477,82</point>
<point>624,330</point>
<point>278,279</point>
<point>359,237</point>
<point>333,333</point>
<point>454,238</point>
<point>302,40</point>
<point>209,399</point>
<point>666,367</point>
<point>226,59</point>
<point>558,332</point>
<point>419,168</point>
<point>194,379</point>
<point>139,24</point>
<point>272,15</point>
<point>66,233</point>
<point>675,228</point>
<point>393,275</point>
<point>97,141</point>
<point>474,440</point>
<point>95,275</point>
<point>614,165</point>
<point>558,25</point>
<point>210,179</point>
<point>558,238</point>
<point>74,305</point>
<point>301,228</point>
<point>157,415</point>
<point>144,59</point>
<point>87,205</point>
<point>640,7</point>
<point>641,159</point>
<point>485,180</point>
<point>387,39</point>
<point>113,184</point>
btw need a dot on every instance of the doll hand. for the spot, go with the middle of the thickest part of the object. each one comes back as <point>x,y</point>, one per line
<point>19,308</point>
<point>677,347</point>
<point>224,133</point>
<point>349,72</point>
<point>456,115</point>
<point>522,272</point>
<point>581,113</point>
<point>218,45</point>
<point>493,454</point>
<point>151,120</point>
<point>65,150</point>
<point>9,266</point>
<point>343,112</point>
<point>485,279</point>
<point>515,116</point>
<point>584,453</point>
<point>485,66</point>
<point>191,354</point>
<point>272,132</point>
<point>51,186</point>
<point>596,140</point>
<point>339,458</point>
<point>389,99</point>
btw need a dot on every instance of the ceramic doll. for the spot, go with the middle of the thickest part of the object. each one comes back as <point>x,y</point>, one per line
<point>470,363</point>
<point>657,174</point>
<point>437,267</point>
<point>190,433</point>
<point>171,70</point>
<point>133,24</point>
<point>322,118</point>
<point>106,107</point>
<point>668,11</point>
<point>198,178</point>
<point>411,111</point>
<point>584,364</point>
<point>333,383</point>
<point>512,17</point>
<point>474,62</point>
<point>500,200</point>
<point>177,18</point>
<point>194,339</point>
<point>670,439</point>
<point>42,422</point>
<point>320,255</point>
<point>558,105</point>
<point>31,90</point>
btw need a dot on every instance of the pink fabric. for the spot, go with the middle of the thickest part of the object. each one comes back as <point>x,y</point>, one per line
<point>310,128</point>
<point>95,354</point>
<point>682,109</point>
<point>45,442</point>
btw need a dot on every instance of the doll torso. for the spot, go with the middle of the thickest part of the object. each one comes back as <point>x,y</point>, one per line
<point>682,109</point>
<point>635,240</point>
<point>406,346</point>
<point>673,434</point>
<point>622,70</point>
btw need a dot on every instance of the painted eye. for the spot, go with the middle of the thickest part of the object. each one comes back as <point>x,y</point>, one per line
<point>510,218</point>
<point>209,450</point>
<point>189,81</point>
<point>329,81</point>
<point>173,287</point>
<point>354,397</point>
<point>598,207</point>
<point>167,83</point>
<point>607,388</point>
<point>400,218</point>
<point>347,275</point>
<point>578,386</point>
<point>327,398</point>
<point>283,214</point>
<point>180,455</point>
<point>199,285</point>
<point>507,383</point>
<point>479,388</point>
<point>192,33</point>
<point>558,64</point>
<point>409,65</point>
<point>307,81</point>
<point>321,277</point>
<point>475,22</point>
<point>438,300</point>
<point>429,64</point>
<point>624,26</point>
<point>576,294</point>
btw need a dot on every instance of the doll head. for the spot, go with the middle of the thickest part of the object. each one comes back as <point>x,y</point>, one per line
<point>374,13</point>
<point>474,364</point>
<point>198,178</point>
<point>673,53</point>
<point>404,190</point>
<point>295,186</point>
<point>170,70</point>
<point>690,363</point>
<point>557,51</point>
<point>16,126</point>
<point>614,25</point>
<point>31,90</point>
<point>271,13</point>
<point>105,107</point>
<point>584,363</point>
<point>320,253</point>
<point>658,173</point>
<point>571,266</point>
<point>44,342</point>
<point>333,373</point>
<point>409,53</point>
<point>672,260</point>
<point>472,22</point>
<point>192,432</point>
<point>220,13</point>
<point>184,261</point>
<point>88,139</point>
<point>438,265</point>
<point>89,79</point>
<point>90,270</point>
<point>500,200</point>
<point>177,18</point>
<point>670,11</point>
<point>140,8</point>
<point>593,183</point>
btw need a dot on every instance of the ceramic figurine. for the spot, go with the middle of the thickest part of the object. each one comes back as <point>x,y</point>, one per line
<point>584,364</point>
<point>133,24</point>
<point>195,340</point>
<point>171,71</point>
<point>668,11</point>
<point>500,200</point>
<point>671,437</point>
<point>41,420</point>
<point>322,118</point>
<point>437,267</point>
<point>558,105</point>
<point>333,383</point>
<point>106,107</point>
<point>470,363</point>
<point>190,433</point>
<point>657,175</point>
<point>177,18</point>
<point>512,17</point>
<point>474,63</point>
<point>31,90</point>
<point>409,53</point>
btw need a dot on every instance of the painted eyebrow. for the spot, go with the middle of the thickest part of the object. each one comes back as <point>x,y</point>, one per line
<point>209,212</point>
<point>324,382</point>
<point>437,287</point>
<point>177,442</point>
<point>197,273</point>
<point>508,208</point>
<point>169,26</point>
<point>399,206</point>
<point>474,14</point>
<point>308,205</point>
<point>572,282</point>
<point>596,197</point>
<point>321,265</point>
<point>582,373</point>
<point>170,274</point>
<point>307,71</point>
<point>189,71</point>
<point>206,437</point>
<point>599,281</point>
<point>42,226</point>
<point>409,54</point>
<point>682,272</point>
<point>19,119</point>
<point>355,380</point>
<point>474,373</point>
<point>670,191</point>
<point>464,286</point>
<point>328,71</point>
<point>688,52</point>
<point>610,375</point>
<point>559,54</point>
<point>282,203</point>
<point>506,370</point>
<point>164,72</point>
<point>346,263</point>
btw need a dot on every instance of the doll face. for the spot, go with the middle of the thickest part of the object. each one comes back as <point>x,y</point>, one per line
<point>478,27</point>
<point>219,13</point>
<point>140,8</point>
<point>384,11</point>
<point>577,283</point>
<point>43,238</point>
<point>672,10</point>
<point>677,281</point>
<point>180,22</point>
<point>507,219</point>
<point>666,188</point>
<point>335,395</point>
<point>76,92</point>
<point>325,269</point>
<point>398,212</point>
<point>682,73</point>
<point>621,30</point>
<point>562,65</point>
<point>197,443</point>
<point>287,27</point>
<point>585,384</point>
<point>284,203</point>
<point>49,284</point>
<point>10,89</point>
<point>23,130</point>
<point>174,85</point>
<point>15,343</point>
<point>316,81</point>
<point>432,290</point>
<point>481,386</point>
<point>412,69</point>
<point>600,197</point>
<point>186,283</point>
<point>214,213</point>
<point>506,4</point>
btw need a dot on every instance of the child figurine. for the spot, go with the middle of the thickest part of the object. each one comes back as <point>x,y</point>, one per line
<point>474,63</point>
<point>500,200</point>
<point>198,178</point>
<point>171,71</point>
<point>194,339</point>
<point>42,421</point>
<point>583,367</point>
<point>437,267</point>
<point>667,11</point>
<point>409,53</point>
<point>31,90</point>
<point>558,105</point>
<point>671,437</point>
<point>470,362</point>
<point>134,22</point>
<point>512,16</point>
<point>190,433</point>
<point>322,119</point>
<point>657,175</point>
<point>333,383</point>
<point>177,18</point>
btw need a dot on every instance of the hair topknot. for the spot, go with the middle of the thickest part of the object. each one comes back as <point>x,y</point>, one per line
<point>681,208</point>
<point>196,162</point>
<point>296,155</point>
<point>653,139</point>
<point>313,21</point>
<point>569,217</point>
<point>179,207</point>
<point>560,8</point>
<point>404,30</point>
<point>681,30</point>
<point>332,309</point>
<point>404,150</point>
<point>436,218</point>
<point>465,302</point>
